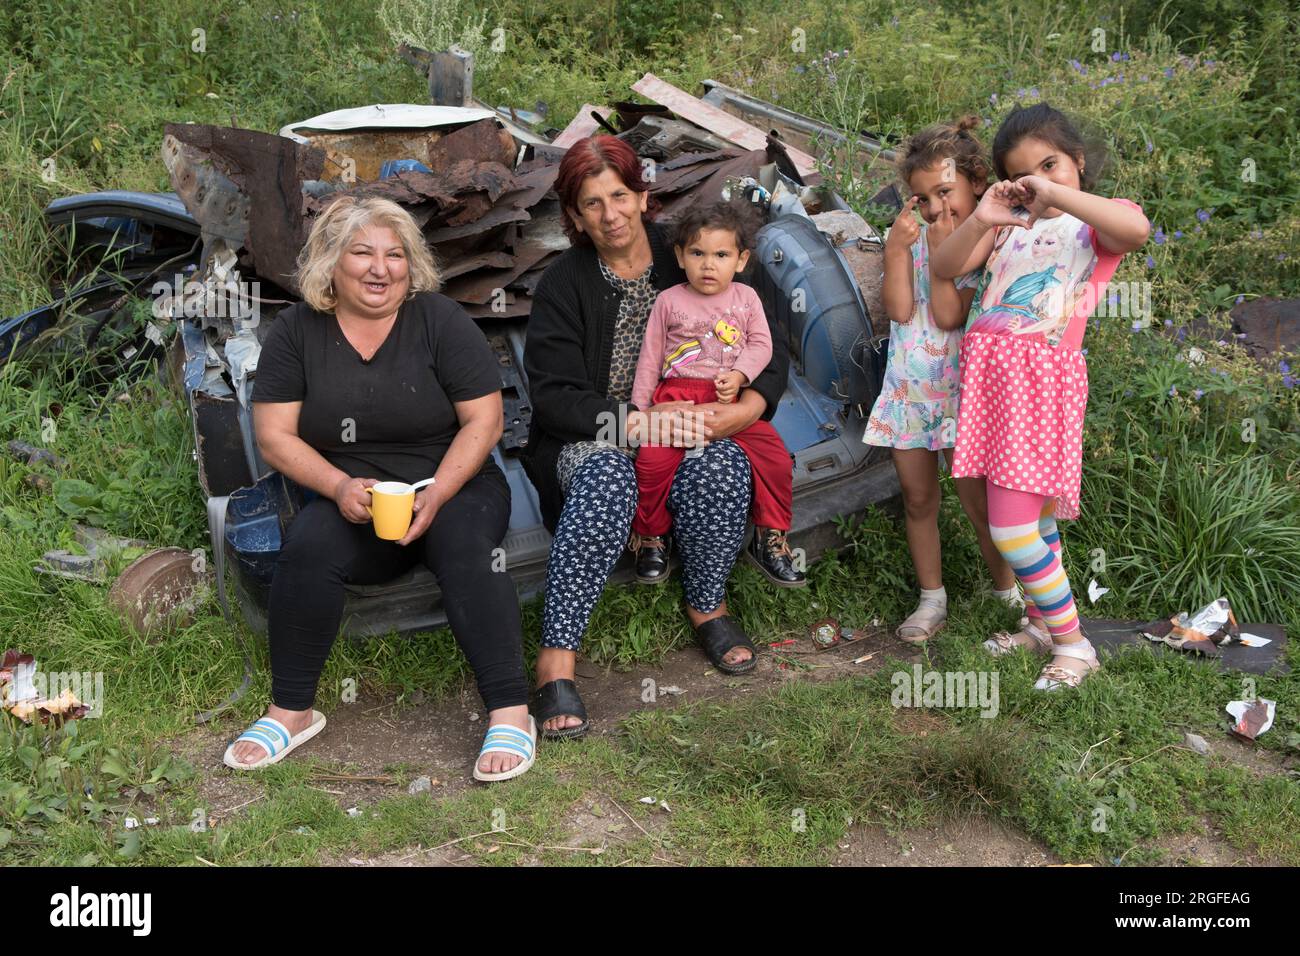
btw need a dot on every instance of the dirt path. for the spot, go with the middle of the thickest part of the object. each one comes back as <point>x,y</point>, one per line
<point>375,739</point>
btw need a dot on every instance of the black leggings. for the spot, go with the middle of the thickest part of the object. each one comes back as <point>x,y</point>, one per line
<point>323,550</point>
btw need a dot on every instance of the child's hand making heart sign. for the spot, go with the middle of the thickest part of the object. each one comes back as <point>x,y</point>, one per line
<point>1034,194</point>
<point>729,385</point>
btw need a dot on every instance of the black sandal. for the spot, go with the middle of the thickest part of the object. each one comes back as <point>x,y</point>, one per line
<point>560,698</point>
<point>719,636</point>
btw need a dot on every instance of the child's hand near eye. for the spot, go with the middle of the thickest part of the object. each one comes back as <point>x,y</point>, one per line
<point>729,385</point>
<point>943,227</point>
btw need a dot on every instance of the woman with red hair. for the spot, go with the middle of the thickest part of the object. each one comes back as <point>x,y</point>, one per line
<point>584,336</point>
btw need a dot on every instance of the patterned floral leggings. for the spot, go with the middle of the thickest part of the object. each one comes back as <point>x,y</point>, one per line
<point>709,501</point>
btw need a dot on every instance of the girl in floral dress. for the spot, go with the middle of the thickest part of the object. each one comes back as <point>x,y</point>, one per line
<point>916,413</point>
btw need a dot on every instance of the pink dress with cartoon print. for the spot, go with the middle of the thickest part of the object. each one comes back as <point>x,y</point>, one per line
<point>1024,382</point>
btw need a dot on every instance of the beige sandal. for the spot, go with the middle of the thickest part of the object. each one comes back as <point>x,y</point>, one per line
<point>1030,635</point>
<point>1055,676</point>
<point>927,620</point>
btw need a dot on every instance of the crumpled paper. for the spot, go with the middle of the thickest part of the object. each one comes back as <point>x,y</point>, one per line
<point>1252,717</point>
<point>18,694</point>
<point>1201,633</point>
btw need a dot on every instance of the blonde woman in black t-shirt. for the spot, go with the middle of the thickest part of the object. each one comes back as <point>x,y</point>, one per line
<point>377,377</point>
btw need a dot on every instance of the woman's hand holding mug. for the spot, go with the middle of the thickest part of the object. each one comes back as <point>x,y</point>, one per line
<point>352,499</point>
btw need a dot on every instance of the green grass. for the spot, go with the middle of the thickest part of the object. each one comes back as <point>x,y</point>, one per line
<point>1189,475</point>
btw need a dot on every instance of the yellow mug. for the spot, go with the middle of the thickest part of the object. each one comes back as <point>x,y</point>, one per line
<point>391,507</point>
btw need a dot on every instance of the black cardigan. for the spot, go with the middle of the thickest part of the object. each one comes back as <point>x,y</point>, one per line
<point>567,354</point>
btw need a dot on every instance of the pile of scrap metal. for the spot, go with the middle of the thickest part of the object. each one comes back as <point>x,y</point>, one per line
<point>481,188</point>
<point>482,193</point>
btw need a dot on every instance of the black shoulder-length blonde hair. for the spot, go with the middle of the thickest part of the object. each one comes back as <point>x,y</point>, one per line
<point>334,229</point>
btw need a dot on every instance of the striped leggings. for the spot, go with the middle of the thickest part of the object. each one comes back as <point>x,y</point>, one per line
<point>1023,526</point>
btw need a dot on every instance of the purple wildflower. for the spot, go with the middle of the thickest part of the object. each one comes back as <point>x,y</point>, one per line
<point>1173,391</point>
<point>1114,57</point>
<point>1169,72</point>
<point>1203,215</point>
<point>1240,299</point>
<point>1182,333</point>
<point>1151,263</point>
<point>1288,381</point>
<point>993,99</point>
<point>1199,392</point>
<point>1257,233</point>
<point>1281,257</point>
<point>1158,237</point>
<point>1178,234</point>
<point>1169,323</point>
<point>1150,146</point>
<point>1079,67</point>
<point>1284,367</point>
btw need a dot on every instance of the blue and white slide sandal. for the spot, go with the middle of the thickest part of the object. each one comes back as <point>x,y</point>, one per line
<point>502,738</point>
<point>275,738</point>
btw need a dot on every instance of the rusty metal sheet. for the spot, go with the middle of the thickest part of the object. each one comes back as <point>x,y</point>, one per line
<point>540,156</point>
<point>269,171</point>
<point>532,187</point>
<point>481,142</point>
<point>546,226</point>
<point>731,128</point>
<point>679,179</point>
<point>209,195</point>
<point>479,287</point>
<point>528,281</point>
<point>461,194</point>
<point>710,189</point>
<point>459,265</point>
<point>499,216</point>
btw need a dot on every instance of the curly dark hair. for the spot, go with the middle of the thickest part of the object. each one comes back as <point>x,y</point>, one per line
<point>942,141</point>
<point>736,215</point>
<point>1044,122</point>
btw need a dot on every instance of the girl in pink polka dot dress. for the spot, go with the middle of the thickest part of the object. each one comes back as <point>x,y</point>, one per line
<point>1048,247</point>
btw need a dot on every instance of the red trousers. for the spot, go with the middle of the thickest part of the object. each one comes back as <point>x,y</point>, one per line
<point>769,461</point>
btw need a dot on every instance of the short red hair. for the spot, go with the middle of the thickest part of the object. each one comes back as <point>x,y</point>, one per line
<point>591,157</point>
